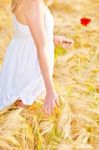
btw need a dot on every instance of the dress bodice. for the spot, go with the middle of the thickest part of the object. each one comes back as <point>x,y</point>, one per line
<point>22,31</point>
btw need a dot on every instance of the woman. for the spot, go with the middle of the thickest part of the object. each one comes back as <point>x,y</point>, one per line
<point>28,63</point>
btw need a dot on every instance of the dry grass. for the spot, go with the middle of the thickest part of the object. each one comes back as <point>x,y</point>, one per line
<point>75,125</point>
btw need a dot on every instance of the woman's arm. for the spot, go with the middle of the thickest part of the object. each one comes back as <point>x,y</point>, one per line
<point>35,18</point>
<point>56,42</point>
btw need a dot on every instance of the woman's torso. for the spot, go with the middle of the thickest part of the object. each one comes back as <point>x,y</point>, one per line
<point>21,29</point>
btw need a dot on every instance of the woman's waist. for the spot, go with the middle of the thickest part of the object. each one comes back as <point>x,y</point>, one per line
<point>30,38</point>
<point>21,37</point>
<point>28,35</point>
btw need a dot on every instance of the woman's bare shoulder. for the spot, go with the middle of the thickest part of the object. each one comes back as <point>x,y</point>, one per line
<point>33,3</point>
<point>33,6</point>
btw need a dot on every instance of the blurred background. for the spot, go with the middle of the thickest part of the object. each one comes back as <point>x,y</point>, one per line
<point>75,125</point>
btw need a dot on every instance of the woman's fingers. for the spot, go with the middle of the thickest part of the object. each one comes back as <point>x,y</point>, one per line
<point>48,107</point>
<point>67,42</point>
<point>52,106</point>
<point>65,46</point>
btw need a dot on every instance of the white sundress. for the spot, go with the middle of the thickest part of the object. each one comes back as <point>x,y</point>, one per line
<point>20,74</point>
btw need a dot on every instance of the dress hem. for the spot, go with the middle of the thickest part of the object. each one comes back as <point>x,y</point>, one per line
<point>26,101</point>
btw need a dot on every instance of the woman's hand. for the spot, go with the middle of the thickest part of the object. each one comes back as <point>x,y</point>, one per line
<point>63,41</point>
<point>51,100</point>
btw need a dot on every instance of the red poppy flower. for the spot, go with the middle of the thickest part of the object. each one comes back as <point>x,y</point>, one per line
<point>85,21</point>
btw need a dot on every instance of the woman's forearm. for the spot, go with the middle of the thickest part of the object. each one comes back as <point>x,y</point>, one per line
<point>56,42</point>
<point>45,67</point>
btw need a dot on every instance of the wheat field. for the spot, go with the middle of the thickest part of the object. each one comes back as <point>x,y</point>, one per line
<point>75,124</point>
